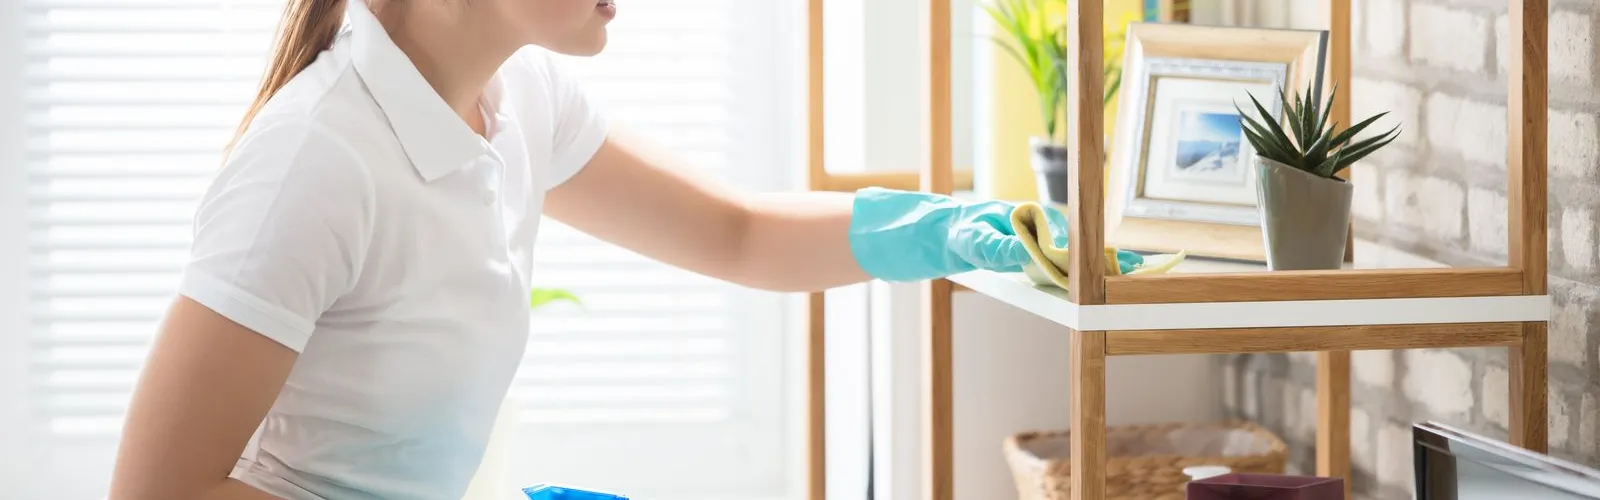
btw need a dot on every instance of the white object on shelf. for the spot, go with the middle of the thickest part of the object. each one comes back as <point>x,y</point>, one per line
<point>1199,472</point>
<point>1051,303</point>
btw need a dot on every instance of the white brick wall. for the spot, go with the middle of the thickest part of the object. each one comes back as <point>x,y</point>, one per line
<point>1496,398</point>
<point>1373,368</point>
<point>1570,322</point>
<point>1400,198</point>
<point>1569,330</point>
<point>1230,386</point>
<point>1402,102</point>
<point>1577,238</point>
<point>1574,144</point>
<point>1440,190</point>
<point>1588,437</point>
<point>1449,37</point>
<point>1300,412</point>
<point>1384,22</point>
<point>1362,453</point>
<point>1571,48</point>
<point>1442,202</point>
<point>1472,129</point>
<point>1394,456</point>
<point>1250,399</point>
<point>1486,221</point>
<point>1366,203</point>
<point>1502,44</point>
<point>1440,380</point>
<point>1560,416</point>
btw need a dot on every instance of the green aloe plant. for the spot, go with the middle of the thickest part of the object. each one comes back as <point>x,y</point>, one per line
<point>542,296</point>
<point>1036,37</point>
<point>1309,143</point>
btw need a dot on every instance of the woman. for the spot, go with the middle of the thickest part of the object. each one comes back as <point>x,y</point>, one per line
<point>355,303</point>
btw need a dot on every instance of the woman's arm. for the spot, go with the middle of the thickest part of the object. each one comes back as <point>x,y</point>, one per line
<point>205,387</point>
<point>635,197</point>
<point>283,237</point>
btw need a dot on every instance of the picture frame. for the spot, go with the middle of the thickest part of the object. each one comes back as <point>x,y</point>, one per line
<point>1181,174</point>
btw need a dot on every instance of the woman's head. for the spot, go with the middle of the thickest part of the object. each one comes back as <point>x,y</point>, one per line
<point>572,27</point>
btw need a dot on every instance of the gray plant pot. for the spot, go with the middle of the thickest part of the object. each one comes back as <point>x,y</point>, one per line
<point>1305,219</point>
<point>1049,161</point>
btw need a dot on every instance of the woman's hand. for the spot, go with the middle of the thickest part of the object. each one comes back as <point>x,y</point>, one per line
<point>639,199</point>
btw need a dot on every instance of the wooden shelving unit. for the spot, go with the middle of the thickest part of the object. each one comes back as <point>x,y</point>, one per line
<point>1201,310</point>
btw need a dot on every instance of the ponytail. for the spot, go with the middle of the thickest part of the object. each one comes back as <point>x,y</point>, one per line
<point>308,28</point>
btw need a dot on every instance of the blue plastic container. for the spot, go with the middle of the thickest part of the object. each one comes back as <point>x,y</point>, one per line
<point>556,492</point>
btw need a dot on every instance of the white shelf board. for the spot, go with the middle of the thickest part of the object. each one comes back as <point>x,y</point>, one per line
<point>1051,302</point>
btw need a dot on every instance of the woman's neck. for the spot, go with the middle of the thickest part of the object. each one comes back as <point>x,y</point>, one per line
<point>452,53</point>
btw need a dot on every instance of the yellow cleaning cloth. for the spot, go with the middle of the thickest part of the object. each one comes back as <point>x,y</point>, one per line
<point>1050,262</point>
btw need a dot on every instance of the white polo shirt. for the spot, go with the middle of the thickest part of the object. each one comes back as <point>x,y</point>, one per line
<point>360,222</point>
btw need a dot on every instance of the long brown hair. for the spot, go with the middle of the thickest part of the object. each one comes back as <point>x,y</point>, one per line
<point>308,28</point>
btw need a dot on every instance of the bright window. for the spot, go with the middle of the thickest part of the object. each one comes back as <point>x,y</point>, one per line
<point>665,384</point>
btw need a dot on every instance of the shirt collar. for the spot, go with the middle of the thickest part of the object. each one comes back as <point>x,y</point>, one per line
<point>434,137</point>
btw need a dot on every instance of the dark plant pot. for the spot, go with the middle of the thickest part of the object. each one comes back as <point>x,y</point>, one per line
<point>1305,219</point>
<point>1049,161</point>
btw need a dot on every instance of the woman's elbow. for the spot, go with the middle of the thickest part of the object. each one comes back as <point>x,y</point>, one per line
<point>793,271</point>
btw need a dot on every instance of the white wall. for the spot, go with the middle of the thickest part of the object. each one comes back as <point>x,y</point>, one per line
<point>1270,14</point>
<point>1010,368</point>
<point>1011,374</point>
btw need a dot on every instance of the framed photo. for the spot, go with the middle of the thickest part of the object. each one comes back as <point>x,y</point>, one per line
<point>1193,162</point>
<point>1182,174</point>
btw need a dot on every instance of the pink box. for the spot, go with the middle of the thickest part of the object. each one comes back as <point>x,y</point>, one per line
<point>1266,487</point>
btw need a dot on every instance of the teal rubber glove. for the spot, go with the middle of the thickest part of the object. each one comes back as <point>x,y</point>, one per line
<point>911,236</point>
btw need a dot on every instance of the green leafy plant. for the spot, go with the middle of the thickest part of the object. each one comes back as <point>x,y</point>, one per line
<point>1309,143</point>
<point>1037,34</point>
<point>542,296</point>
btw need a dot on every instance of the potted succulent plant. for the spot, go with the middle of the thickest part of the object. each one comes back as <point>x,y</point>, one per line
<point>1304,204</point>
<point>1037,39</point>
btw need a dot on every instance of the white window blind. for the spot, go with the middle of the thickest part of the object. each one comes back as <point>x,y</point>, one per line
<point>665,383</point>
<point>125,104</point>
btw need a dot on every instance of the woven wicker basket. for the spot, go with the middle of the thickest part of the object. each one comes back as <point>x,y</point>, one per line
<point>1144,462</point>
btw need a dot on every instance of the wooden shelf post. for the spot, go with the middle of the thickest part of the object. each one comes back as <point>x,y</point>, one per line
<point>938,363</point>
<point>1333,367</point>
<point>1086,238</point>
<point>816,310</point>
<point>1528,108</point>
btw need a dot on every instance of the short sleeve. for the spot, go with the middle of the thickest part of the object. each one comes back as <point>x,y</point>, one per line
<point>282,232</point>
<point>580,125</point>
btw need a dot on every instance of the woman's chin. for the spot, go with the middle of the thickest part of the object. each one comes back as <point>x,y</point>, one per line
<point>588,47</point>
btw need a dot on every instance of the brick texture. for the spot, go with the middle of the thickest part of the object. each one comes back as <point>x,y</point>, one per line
<point>1574,144</point>
<point>1385,23</point>
<point>1439,68</point>
<point>1449,37</point>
